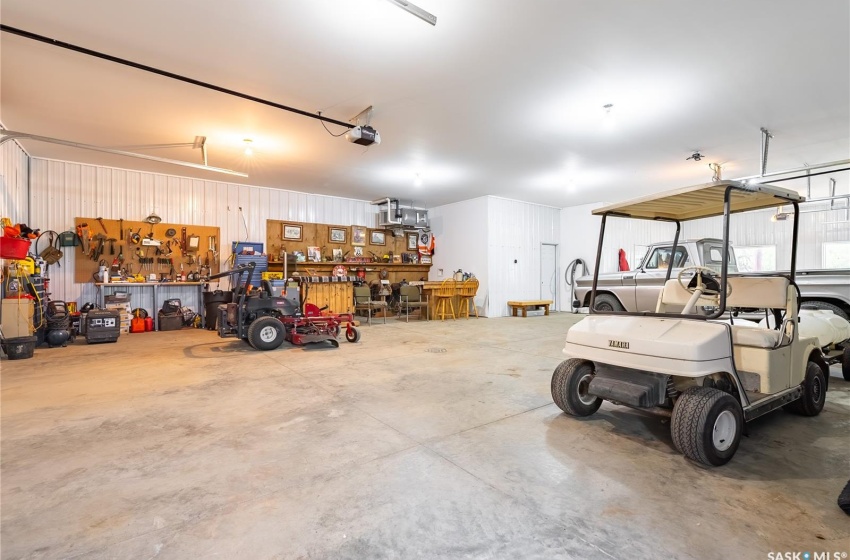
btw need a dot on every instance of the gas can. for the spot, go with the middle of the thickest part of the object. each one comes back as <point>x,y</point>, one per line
<point>137,325</point>
<point>148,324</point>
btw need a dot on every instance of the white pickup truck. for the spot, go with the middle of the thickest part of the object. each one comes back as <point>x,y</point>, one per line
<point>638,289</point>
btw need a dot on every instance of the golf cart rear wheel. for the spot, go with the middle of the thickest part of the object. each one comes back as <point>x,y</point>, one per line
<point>707,425</point>
<point>845,364</point>
<point>813,398</point>
<point>607,302</point>
<point>570,383</point>
<point>352,335</point>
<point>266,333</point>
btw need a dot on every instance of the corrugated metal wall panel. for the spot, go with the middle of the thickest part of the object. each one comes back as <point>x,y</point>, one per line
<point>14,179</point>
<point>515,231</point>
<point>818,224</point>
<point>62,191</point>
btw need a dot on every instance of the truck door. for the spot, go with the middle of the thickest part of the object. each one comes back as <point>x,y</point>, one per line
<point>649,279</point>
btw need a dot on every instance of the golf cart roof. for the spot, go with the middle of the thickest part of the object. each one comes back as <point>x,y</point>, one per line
<point>702,201</point>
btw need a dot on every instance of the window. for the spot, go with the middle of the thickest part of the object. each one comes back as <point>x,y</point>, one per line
<point>713,258</point>
<point>756,258</point>
<point>660,258</point>
<point>835,254</point>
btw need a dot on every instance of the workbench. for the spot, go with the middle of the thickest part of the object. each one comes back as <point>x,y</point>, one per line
<point>172,290</point>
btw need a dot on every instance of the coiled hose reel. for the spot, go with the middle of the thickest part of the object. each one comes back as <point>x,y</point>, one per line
<point>570,279</point>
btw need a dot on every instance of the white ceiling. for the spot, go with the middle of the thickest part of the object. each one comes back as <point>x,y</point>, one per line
<point>501,97</point>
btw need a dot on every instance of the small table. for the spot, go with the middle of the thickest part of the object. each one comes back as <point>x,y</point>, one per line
<point>524,305</point>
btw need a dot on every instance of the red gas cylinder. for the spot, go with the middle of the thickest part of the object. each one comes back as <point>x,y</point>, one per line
<point>148,324</point>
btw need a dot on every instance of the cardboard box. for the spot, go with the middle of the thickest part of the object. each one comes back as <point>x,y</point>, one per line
<point>17,317</point>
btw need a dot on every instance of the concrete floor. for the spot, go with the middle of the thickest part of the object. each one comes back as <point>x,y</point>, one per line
<point>183,445</point>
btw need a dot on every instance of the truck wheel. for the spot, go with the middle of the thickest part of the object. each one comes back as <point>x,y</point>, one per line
<point>607,302</point>
<point>266,333</point>
<point>569,388</point>
<point>824,306</point>
<point>707,425</point>
<point>814,392</point>
<point>845,364</point>
<point>354,336</point>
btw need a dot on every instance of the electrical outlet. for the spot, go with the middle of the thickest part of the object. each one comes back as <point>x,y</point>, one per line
<point>439,272</point>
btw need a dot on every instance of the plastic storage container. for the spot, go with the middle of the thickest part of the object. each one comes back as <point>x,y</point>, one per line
<point>19,348</point>
<point>170,321</point>
<point>13,248</point>
<point>211,302</point>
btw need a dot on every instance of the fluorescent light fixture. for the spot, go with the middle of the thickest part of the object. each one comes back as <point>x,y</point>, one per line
<point>415,10</point>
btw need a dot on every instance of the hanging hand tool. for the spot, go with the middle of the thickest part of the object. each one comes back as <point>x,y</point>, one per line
<point>102,225</point>
<point>122,228</point>
<point>214,248</point>
<point>135,238</point>
<point>112,241</point>
<point>121,255</point>
<point>183,240</point>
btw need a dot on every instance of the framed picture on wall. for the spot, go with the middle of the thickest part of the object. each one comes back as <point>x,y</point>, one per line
<point>358,235</point>
<point>412,241</point>
<point>378,237</point>
<point>292,232</point>
<point>336,235</point>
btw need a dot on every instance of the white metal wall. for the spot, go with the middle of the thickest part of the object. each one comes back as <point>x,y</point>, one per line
<point>515,232</point>
<point>62,191</point>
<point>818,223</point>
<point>461,243</point>
<point>14,168</point>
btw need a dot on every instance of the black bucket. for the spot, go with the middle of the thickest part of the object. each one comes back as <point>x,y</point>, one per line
<point>211,302</point>
<point>19,348</point>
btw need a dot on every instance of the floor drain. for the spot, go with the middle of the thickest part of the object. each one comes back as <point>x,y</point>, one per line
<point>436,350</point>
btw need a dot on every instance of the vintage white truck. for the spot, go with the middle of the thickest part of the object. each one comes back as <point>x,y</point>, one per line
<point>638,289</point>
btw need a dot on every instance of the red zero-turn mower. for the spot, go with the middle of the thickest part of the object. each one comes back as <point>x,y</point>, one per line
<point>264,321</point>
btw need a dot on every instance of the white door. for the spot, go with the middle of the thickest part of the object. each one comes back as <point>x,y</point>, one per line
<point>549,273</point>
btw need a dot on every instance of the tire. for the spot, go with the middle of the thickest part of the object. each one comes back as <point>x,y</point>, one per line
<point>607,302</point>
<point>845,364</point>
<point>844,499</point>
<point>266,333</point>
<point>822,305</point>
<point>569,388</point>
<point>354,336</point>
<point>707,425</point>
<point>814,392</point>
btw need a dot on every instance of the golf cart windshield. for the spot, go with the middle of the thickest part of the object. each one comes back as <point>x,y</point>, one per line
<point>720,198</point>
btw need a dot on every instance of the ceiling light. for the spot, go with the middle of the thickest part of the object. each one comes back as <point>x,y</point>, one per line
<point>417,180</point>
<point>415,10</point>
<point>248,150</point>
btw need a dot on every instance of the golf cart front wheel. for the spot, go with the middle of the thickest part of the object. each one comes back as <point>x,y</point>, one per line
<point>813,398</point>
<point>570,384</point>
<point>707,425</point>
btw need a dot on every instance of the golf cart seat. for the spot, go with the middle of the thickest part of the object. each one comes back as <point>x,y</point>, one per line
<point>751,292</point>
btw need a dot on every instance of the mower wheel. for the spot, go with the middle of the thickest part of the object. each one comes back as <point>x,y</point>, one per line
<point>845,364</point>
<point>353,335</point>
<point>266,333</point>
<point>707,425</point>
<point>814,392</point>
<point>569,388</point>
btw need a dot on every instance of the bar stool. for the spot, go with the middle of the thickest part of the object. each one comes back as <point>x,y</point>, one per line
<point>467,291</point>
<point>443,296</point>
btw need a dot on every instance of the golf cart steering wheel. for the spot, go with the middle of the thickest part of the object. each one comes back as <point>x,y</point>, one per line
<point>705,291</point>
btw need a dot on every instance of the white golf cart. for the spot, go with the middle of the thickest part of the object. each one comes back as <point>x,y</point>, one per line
<point>688,360</point>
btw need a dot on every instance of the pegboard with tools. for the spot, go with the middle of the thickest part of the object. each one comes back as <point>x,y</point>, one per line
<point>139,247</point>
